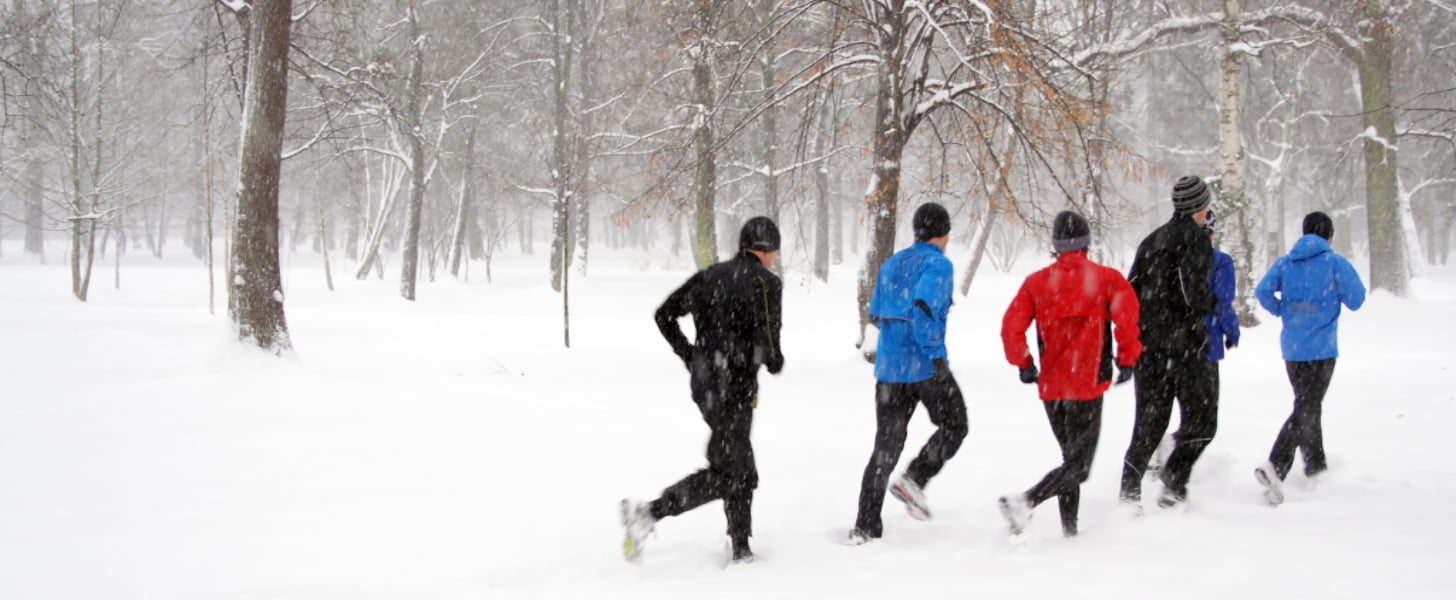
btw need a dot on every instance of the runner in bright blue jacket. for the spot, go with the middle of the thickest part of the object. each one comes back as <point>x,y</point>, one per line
<point>911,299</point>
<point>1305,288</point>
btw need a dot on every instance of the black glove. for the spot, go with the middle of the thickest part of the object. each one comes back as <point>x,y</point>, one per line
<point>775,365</point>
<point>942,369</point>
<point>1124,375</point>
<point>1230,343</point>
<point>1028,374</point>
<point>686,356</point>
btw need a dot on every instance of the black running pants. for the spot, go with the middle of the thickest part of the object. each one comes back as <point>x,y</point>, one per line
<point>1161,378</point>
<point>1303,430</point>
<point>894,405</point>
<point>1076,425</point>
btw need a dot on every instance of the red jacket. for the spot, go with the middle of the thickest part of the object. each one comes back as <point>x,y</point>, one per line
<point>1071,302</point>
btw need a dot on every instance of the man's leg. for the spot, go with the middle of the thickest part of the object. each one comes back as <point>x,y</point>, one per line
<point>1312,383</point>
<point>1154,390</point>
<point>893,409</point>
<point>736,462</point>
<point>1077,424</point>
<point>946,408</point>
<point>1197,388</point>
<point>711,394</point>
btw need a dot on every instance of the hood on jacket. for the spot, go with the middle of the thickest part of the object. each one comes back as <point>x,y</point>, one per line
<point>1308,247</point>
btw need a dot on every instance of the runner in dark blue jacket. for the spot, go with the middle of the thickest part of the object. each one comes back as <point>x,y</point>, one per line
<point>1305,289</point>
<point>911,300</point>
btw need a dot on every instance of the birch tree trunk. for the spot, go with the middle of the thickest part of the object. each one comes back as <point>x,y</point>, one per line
<point>1236,232</point>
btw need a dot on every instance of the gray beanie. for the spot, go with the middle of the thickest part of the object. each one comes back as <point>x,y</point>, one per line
<point>1190,195</point>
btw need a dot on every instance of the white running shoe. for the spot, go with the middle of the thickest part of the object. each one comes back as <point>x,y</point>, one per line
<point>637,523</point>
<point>907,491</point>
<point>1017,512</point>
<point>1269,478</point>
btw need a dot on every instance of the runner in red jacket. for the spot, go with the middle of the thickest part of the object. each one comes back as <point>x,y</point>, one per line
<point>1075,303</point>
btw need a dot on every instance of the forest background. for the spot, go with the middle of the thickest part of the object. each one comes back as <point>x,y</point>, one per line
<point>416,139</point>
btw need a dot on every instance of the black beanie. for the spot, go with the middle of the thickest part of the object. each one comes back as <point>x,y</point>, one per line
<point>1319,224</point>
<point>759,233</point>
<point>1070,232</point>
<point>931,221</point>
<point>1190,195</point>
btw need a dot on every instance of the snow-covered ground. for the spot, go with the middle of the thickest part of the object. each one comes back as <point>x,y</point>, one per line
<point>452,448</point>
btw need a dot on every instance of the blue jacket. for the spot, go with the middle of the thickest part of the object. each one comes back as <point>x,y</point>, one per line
<point>911,300</point>
<point>1305,288</point>
<point>1223,322</point>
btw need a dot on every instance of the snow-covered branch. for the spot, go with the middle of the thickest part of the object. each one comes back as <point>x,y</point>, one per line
<point>236,6</point>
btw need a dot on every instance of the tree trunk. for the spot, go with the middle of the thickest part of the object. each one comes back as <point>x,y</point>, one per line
<point>983,237</point>
<point>767,71</point>
<point>561,172</point>
<point>414,122</point>
<point>1236,230</point>
<point>255,301</point>
<point>883,196</point>
<point>79,220</point>
<point>821,198</point>
<point>463,211</point>
<point>705,180</point>
<point>321,217</point>
<point>1389,268</point>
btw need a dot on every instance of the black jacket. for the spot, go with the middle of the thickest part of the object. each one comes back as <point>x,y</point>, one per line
<point>1170,275</point>
<point>736,307</point>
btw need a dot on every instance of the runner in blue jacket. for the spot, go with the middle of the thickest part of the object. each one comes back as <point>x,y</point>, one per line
<point>911,300</point>
<point>1305,289</point>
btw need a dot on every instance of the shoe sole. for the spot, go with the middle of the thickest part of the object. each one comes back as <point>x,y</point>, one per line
<point>917,512</point>
<point>1272,494</point>
<point>1006,512</point>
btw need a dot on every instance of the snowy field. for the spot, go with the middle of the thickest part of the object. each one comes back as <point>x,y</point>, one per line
<point>452,448</point>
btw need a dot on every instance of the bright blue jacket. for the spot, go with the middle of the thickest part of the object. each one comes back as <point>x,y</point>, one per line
<point>1305,288</point>
<point>1224,322</point>
<point>911,301</point>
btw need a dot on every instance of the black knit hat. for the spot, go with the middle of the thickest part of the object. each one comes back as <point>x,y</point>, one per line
<point>759,233</point>
<point>931,221</point>
<point>1070,232</point>
<point>1319,224</point>
<point>1190,195</point>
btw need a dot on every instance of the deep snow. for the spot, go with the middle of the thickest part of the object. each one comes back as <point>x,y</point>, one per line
<point>452,448</point>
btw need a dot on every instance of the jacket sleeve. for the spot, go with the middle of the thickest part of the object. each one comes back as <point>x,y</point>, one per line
<point>1348,284</point>
<point>677,305</point>
<point>1194,268</point>
<point>1225,287</point>
<point>1014,325</point>
<point>930,305</point>
<point>771,290</point>
<point>1124,312</point>
<point>1271,284</point>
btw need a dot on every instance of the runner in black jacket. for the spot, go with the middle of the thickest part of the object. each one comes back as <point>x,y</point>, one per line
<point>736,307</point>
<point>1170,275</point>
